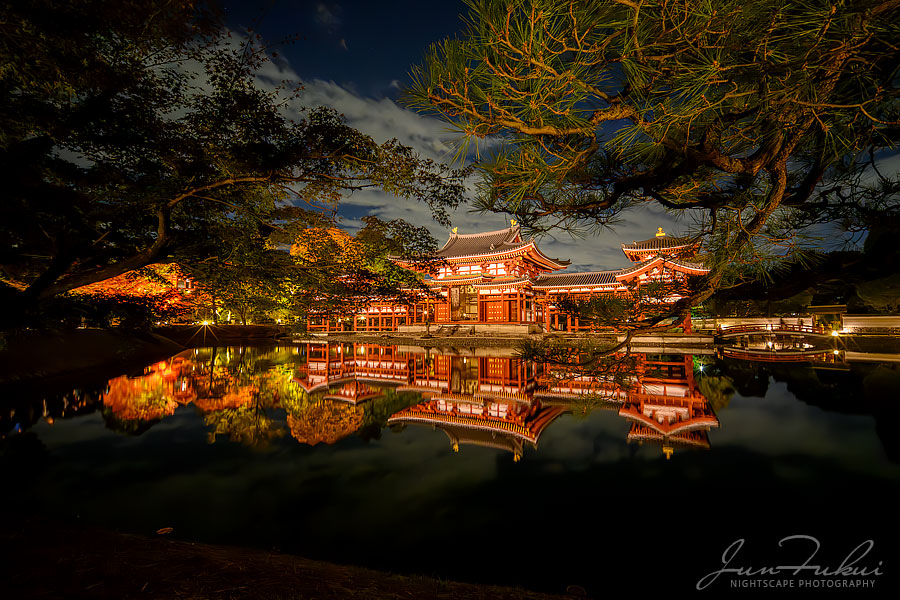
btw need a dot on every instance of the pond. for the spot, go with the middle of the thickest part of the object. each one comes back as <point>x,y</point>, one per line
<point>477,466</point>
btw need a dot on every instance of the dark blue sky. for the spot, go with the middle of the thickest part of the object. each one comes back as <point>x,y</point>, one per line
<point>360,45</point>
<point>355,56</point>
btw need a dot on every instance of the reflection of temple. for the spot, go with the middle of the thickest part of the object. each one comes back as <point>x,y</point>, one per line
<point>498,278</point>
<point>347,372</point>
<point>667,408</point>
<point>495,401</point>
<point>507,403</point>
<point>483,401</point>
<point>657,394</point>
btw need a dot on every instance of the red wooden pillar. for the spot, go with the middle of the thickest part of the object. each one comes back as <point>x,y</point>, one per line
<point>547,310</point>
<point>686,326</point>
<point>518,306</point>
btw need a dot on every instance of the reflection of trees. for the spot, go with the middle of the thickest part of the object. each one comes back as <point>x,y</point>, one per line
<point>718,390</point>
<point>238,388</point>
<point>326,421</point>
<point>378,411</point>
<point>147,398</point>
<point>250,425</point>
<point>582,406</point>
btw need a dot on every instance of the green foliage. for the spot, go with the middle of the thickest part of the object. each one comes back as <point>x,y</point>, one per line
<point>881,294</point>
<point>582,356</point>
<point>138,132</point>
<point>759,119</point>
<point>717,389</point>
<point>103,310</point>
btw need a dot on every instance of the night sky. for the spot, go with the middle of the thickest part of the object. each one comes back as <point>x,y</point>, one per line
<point>355,56</point>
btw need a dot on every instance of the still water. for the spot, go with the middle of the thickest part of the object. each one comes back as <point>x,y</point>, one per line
<point>475,465</point>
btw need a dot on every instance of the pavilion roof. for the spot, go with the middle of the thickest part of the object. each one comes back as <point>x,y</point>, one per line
<point>488,242</point>
<point>660,242</point>
<point>503,282</point>
<point>491,243</point>
<point>679,265</point>
<point>591,279</point>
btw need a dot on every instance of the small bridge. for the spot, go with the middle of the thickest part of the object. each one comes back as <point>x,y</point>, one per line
<point>751,354</point>
<point>776,329</point>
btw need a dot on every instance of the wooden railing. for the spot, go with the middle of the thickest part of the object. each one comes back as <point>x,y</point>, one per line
<point>774,328</point>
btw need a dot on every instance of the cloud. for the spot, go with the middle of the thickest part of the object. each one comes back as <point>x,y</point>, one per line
<point>328,15</point>
<point>383,119</point>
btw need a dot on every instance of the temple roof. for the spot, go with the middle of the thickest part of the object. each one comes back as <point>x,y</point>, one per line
<point>661,259</point>
<point>489,242</point>
<point>501,282</point>
<point>658,243</point>
<point>591,279</point>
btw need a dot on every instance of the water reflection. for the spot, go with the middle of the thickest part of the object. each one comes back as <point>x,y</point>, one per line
<point>792,434</point>
<point>323,393</point>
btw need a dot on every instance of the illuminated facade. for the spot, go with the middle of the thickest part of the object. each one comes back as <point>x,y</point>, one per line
<point>500,281</point>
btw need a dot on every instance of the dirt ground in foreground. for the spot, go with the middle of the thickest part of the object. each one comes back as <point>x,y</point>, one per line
<point>48,560</point>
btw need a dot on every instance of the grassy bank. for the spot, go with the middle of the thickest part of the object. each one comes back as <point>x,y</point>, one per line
<point>41,355</point>
<point>50,560</point>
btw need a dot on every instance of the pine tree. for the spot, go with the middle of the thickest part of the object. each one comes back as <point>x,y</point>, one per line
<point>759,119</point>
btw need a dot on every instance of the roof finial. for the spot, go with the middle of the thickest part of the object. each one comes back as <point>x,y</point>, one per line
<point>668,451</point>
<point>454,230</point>
<point>660,232</point>
<point>513,222</point>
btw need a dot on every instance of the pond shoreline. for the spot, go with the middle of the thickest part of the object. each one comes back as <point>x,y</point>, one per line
<point>95,352</point>
<point>54,559</point>
<point>31,356</point>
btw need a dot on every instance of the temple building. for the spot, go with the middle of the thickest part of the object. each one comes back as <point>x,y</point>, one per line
<point>498,281</point>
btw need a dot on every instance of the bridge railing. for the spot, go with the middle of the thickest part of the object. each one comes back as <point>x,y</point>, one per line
<point>775,328</point>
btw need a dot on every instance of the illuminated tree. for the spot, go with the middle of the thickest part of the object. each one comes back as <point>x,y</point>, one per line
<point>138,132</point>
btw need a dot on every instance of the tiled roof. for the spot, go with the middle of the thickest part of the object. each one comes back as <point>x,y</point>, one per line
<point>490,242</point>
<point>491,283</point>
<point>662,259</point>
<point>591,279</point>
<point>664,242</point>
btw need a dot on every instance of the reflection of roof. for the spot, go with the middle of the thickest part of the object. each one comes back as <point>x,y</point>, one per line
<point>671,415</point>
<point>486,439</point>
<point>686,438</point>
<point>528,430</point>
<point>591,279</point>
